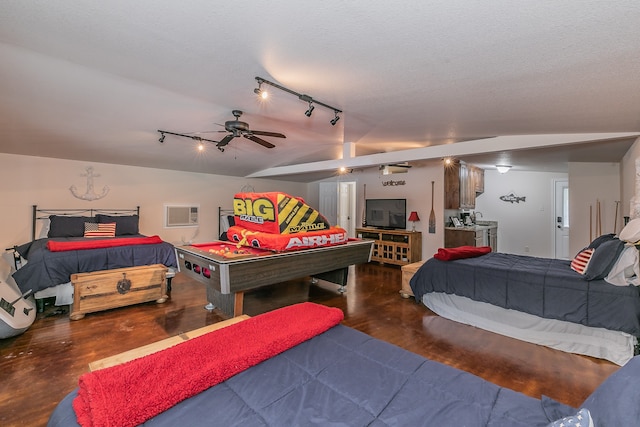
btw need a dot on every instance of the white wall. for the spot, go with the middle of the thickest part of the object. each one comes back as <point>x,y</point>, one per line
<point>524,228</point>
<point>25,181</point>
<point>588,184</point>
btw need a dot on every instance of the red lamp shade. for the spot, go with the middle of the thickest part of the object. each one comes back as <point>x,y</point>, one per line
<point>413,216</point>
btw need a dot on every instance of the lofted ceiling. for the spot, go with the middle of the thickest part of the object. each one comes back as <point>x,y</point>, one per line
<point>94,81</point>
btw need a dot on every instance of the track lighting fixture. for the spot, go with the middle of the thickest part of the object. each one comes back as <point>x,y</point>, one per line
<point>310,110</point>
<point>161,137</point>
<point>301,96</point>
<point>335,119</point>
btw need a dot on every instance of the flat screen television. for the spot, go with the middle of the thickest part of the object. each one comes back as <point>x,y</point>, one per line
<point>388,214</point>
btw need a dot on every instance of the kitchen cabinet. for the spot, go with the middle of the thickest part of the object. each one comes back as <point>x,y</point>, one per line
<point>475,235</point>
<point>493,238</point>
<point>462,182</point>
<point>478,179</point>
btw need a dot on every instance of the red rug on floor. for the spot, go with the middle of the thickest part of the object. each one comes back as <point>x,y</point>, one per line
<point>132,393</point>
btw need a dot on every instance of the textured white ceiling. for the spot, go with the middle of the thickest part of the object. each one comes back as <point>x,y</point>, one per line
<point>94,80</point>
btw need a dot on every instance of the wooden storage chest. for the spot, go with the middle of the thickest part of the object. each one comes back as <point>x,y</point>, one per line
<point>407,273</point>
<point>103,290</point>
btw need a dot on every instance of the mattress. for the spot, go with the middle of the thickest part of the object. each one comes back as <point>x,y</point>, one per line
<point>614,346</point>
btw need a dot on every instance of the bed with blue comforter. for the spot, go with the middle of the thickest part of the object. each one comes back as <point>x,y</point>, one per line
<point>544,287</point>
<point>339,377</point>
<point>45,268</point>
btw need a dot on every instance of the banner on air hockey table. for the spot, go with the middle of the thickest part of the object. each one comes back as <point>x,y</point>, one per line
<point>276,213</point>
<point>287,242</point>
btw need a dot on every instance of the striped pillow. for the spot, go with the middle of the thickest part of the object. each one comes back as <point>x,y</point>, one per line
<point>93,229</point>
<point>581,261</point>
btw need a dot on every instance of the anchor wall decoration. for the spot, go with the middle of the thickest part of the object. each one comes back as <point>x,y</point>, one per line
<point>89,195</point>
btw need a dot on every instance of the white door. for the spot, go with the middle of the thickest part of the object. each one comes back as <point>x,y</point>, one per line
<point>561,219</point>
<point>347,207</point>
<point>338,204</point>
<point>328,201</point>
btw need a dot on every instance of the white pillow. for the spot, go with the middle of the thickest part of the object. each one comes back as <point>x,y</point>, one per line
<point>625,271</point>
<point>44,231</point>
<point>631,232</point>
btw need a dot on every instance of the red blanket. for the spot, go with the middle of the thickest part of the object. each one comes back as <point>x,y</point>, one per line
<point>134,392</point>
<point>78,245</point>
<point>448,254</point>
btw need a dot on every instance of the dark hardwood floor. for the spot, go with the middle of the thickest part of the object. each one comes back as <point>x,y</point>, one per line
<point>39,367</point>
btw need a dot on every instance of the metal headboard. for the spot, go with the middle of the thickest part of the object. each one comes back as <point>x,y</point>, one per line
<point>41,214</point>
<point>221,214</point>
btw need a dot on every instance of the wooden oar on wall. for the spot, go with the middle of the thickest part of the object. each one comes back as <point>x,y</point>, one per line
<point>432,215</point>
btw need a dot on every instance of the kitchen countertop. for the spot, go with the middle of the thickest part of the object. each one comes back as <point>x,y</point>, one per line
<point>478,226</point>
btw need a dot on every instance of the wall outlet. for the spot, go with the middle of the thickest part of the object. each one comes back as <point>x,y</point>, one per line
<point>526,248</point>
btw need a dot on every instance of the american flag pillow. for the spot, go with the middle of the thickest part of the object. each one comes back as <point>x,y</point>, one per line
<point>581,261</point>
<point>93,229</point>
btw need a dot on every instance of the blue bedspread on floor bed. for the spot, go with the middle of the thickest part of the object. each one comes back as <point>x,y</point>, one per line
<point>346,378</point>
<point>543,287</point>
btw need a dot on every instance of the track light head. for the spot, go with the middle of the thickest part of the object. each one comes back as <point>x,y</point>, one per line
<point>310,110</point>
<point>258,91</point>
<point>335,119</point>
<point>261,93</point>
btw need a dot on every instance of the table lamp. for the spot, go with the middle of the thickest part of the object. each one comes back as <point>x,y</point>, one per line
<point>413,217</point>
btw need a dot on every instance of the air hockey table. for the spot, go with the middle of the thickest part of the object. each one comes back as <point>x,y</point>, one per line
<point>229,271</point>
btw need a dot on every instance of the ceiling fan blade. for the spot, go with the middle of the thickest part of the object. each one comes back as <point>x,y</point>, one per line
<point>224,141</point>
<point>272,134</point>
<point>259,141</point>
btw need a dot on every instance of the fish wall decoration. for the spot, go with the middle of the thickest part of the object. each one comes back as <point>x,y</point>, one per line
<point>512,198</point>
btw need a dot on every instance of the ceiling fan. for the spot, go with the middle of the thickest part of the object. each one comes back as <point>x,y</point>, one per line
<point>238,128</point>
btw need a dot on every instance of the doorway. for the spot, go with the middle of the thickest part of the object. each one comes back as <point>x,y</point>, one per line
<point>561,219</point>
<point>338,204</point>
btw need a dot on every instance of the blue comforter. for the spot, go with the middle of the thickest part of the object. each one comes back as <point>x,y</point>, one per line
<point>544,287</point>
<point>346,378</point>
<point>45,268</point>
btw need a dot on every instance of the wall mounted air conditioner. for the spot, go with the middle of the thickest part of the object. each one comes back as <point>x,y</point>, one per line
<point>181,215</point>
<point>395,168</point>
